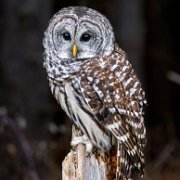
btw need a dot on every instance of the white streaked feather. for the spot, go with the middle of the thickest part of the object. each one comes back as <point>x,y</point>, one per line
<point>88,122</point>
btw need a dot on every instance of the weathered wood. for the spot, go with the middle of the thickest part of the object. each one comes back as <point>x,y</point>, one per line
<point>78,165</point>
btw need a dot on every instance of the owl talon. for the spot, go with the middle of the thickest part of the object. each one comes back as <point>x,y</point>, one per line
<point>82,140</point>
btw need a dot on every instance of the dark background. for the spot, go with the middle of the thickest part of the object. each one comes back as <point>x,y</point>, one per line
<point>34,131</point>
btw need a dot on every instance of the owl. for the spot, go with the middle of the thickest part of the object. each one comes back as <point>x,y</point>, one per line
<point>94,83</point>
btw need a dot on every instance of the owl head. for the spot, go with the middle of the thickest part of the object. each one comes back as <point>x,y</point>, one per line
<point>78,33</point>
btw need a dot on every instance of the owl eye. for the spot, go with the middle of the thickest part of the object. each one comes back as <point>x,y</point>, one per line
<point>85,37</point>
<point>66,36</point>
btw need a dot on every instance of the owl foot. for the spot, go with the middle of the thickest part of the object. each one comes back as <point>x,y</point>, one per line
<point>82,140</point>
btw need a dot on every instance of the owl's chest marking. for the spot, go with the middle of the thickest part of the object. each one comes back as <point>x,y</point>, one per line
<point>77,109</point>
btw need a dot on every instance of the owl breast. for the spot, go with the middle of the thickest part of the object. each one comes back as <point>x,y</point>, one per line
<point>73,103</point>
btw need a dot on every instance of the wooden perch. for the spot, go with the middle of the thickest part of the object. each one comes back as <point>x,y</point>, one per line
<point>78,165</point>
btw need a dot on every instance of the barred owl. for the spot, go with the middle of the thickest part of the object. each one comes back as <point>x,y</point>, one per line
<point>96,86</point>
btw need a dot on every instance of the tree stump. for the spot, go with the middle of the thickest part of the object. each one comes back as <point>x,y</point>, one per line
<point>78,165</point>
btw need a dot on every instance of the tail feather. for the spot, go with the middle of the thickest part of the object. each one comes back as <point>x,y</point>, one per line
<point>125,169</point>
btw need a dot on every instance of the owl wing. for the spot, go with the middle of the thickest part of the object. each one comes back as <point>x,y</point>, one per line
<point>114,94</point>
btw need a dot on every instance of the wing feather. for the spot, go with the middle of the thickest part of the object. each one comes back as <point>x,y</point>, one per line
<point>114,94</point>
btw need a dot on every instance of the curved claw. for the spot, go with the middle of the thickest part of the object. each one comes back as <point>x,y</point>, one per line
<point>82,140</point>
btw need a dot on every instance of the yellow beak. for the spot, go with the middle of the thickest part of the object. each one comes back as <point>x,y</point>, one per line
<point>74,50</point>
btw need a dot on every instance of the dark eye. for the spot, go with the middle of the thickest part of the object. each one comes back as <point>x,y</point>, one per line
<point>66,36</point>
<point>85,37</point>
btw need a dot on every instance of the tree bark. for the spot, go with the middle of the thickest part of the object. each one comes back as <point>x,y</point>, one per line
<point>78,165</point>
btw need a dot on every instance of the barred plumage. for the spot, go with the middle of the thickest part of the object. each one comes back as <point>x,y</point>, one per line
<point>101,92</point>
